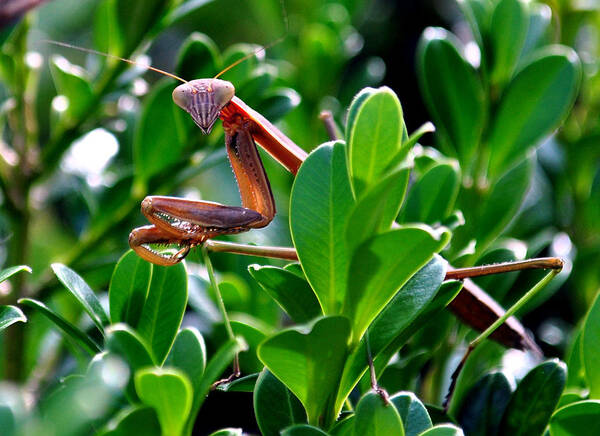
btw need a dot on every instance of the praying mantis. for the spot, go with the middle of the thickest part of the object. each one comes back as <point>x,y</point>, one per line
<point>187,224</point>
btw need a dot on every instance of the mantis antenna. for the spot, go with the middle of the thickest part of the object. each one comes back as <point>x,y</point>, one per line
<point>107,55</point>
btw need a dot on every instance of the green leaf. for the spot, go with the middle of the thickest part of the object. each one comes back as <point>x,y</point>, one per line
<point>590,346</point>
<point>189,355</point>
<point>10,271</point>
<point>354,108</point>
<point>581,418</point>
<point>374,139</point>
<point>278,103</point>
<point>453,93</point>
<point>228,432</point>
<point>10,315</point>
<point>275,407</point>
<point>409,143</point>
<point>182,10</point>
<point>431,198</point>
<point>291,292</point>
<point>536,397</point>
<point>309,361</point>
<point>508,30</point>
<point>160,132</point>
<point>373,417</point>
<point>242,384</point>
<point>443,430</point>
<point>125,342</point>
<point>169,392</point>
<point>405,308</point>
<point>71,81</point>
<point>378,208</point>
<point>164,308</point>
<point>84,294</point>
<point>482,408</point>
<point>535,102</point>
<point>135,19</point>
<point>198,57</point>
<point>134,420</point>
<point>413,413</point>
<point>74,332</point>
<point>320,204</point>
<point>303,430</point>
<point>381,266</point>
<point>129,288</point>
<point>502,203</point>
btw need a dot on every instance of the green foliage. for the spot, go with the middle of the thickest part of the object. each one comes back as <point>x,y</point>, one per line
<point>377,220</point>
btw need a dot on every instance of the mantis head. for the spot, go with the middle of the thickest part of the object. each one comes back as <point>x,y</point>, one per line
<point>203,99</point>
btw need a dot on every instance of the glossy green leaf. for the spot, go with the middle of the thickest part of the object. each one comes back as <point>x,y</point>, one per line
<point>84,294</point>
<point>413,413</point>
<point>169,392</point>
<point>228,432</point>
<point>535,102</point>
<point>590,343</point>
<point>345,427</point>
<point>381,266</point>
<point>431,198</point>
<point>443,430</point>
<point>303,430</point>
<point>275,407</point>
<point>508,29</point>
<point>374,139</point>
<point>71,81</point>
<point>10,315</point>
<point>134,420</point>
<point>581,418</point>
<point>377,209</point>
<point>291,292</point>
<point>354,108</point>
<point>482,408</point>
<point>309,361</point>
<point>188,354</point>
<point>503,202</point>
<point>453,93</point>
<point>183,10</point>
<point>164,308</point>
<point>404,309</point>
<point>278,103</point>
<point>374,417</point>
<point>410,142</point>
<point>125,342</point>
<point>6,273</point>
<point>160,132</point>
<point>74,332</point>
<point>198,57</point>
<point>478,15</point>
<point>576,376</point>
<point>536,397</point>
<point>242,384</point>
<point>320,204</point>
<point>129,288</point>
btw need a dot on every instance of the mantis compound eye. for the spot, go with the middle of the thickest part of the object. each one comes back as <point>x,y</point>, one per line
<point>203,99</point>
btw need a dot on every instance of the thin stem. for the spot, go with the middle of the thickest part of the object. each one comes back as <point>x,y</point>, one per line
<point>487,332</point>
<point>214,284</point>
<point>515,307</point>
<point>374,385</point>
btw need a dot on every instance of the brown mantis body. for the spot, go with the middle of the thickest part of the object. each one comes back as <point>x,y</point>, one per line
<point>190,223</point>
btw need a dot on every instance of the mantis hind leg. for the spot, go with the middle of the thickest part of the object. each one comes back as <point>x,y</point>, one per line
<point>186,224</point>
